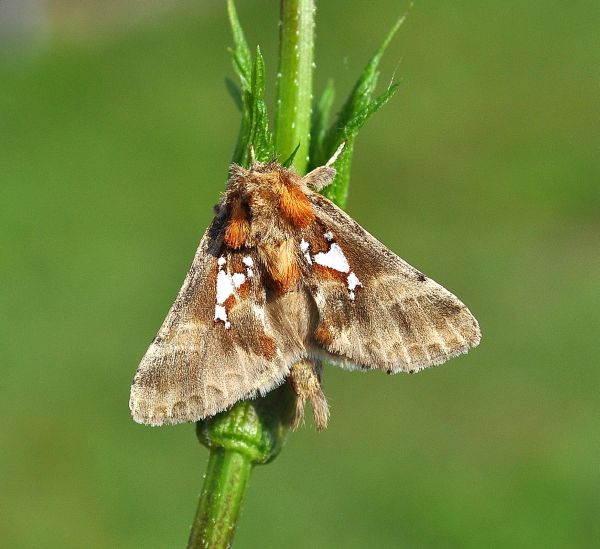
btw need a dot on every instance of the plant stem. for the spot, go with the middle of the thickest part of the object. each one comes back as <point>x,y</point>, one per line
<point>253,431</point>
<point>249,434</point>
<point>221,499</point>
<point>294,80</point>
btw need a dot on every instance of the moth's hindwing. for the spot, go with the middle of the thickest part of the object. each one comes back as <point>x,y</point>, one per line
<point>218,344</point>
<point>375,310</point>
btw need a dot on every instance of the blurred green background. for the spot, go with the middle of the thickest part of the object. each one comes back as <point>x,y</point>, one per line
<point>484,172</point>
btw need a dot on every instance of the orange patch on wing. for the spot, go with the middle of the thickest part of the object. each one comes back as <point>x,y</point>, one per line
<point>295,206</point>
<point>323,334</point>
<point>318,243</point>
<point>332,274</point>
<point>235,263</point>
<point>267,347</point>
<point>283,267</point>
<point>238,228</point>
<point>229,303</point>
<point>244,290</point>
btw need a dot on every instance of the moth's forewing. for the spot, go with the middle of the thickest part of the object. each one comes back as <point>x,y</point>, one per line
<point>196,366</point>
<point>397,319</point>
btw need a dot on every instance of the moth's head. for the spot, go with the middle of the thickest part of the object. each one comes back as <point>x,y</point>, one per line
<point>272,176</point>
<point>263,177</point>
<point>269,193</point>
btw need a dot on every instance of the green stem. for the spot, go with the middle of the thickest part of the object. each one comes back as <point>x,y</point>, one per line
<point>253,431</point>
<point>220,503</point>
<point>294,80</point>
<point>249,434</point>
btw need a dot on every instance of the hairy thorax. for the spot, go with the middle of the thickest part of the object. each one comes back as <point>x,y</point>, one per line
<point>261,209</point>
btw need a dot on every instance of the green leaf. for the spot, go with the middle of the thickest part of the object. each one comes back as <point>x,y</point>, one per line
<point>337,192</point>
<point>254,126</point>
<point>242,58</point>
<point>288,162</point>
<point>320,119</point>
<point>260,136</point>
<point>357,109</point>
<point>361,94</point>
<point>361,117</point>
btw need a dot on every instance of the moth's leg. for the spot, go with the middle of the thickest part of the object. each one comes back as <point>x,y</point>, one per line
<point>323,175</point>
<point>305,377</point>
<point>319,178</point>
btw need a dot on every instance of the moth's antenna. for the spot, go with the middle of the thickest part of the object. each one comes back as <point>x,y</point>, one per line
<point>336,154</point>
<point>252,155</point>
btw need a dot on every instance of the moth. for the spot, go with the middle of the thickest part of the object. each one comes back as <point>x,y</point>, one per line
<point>282,281</point>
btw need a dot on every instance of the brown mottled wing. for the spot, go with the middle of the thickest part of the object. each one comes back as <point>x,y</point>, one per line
<point>196,367</point>
<point>396,319</point>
